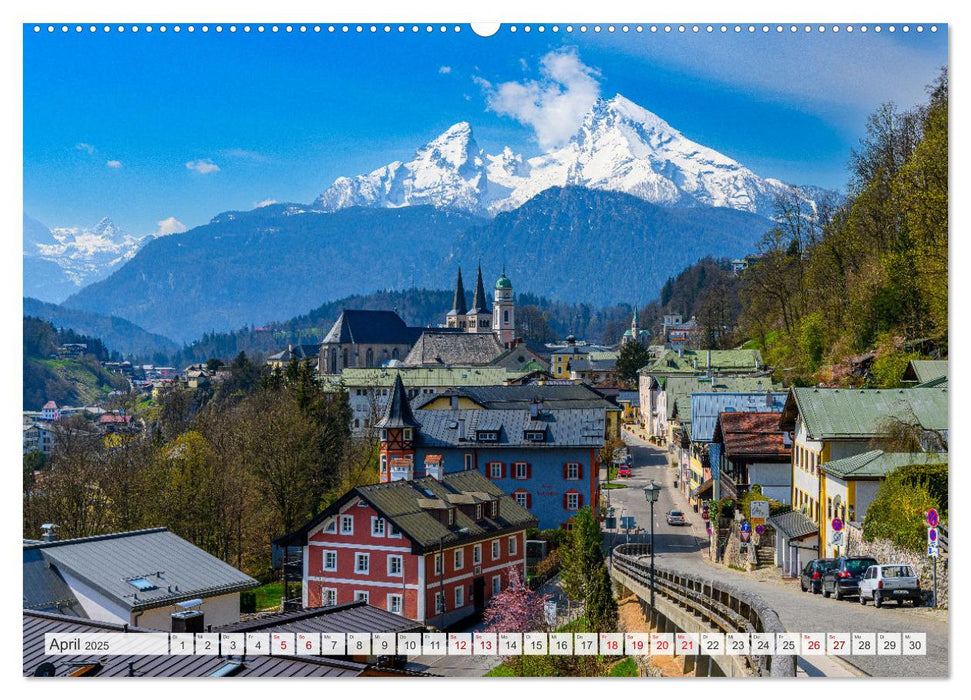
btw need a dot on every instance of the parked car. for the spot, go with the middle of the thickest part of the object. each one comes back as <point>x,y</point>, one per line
<point>811,576</point>
<point>676,517</point>
<point>843,579</point>
<point>890,582</point>
<point>624,471</point>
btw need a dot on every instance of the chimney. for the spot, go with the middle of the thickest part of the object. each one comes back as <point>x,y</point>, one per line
<point>189,617</point>
<point>49,532</point>
<point>461,429</point>
<point>534,408</point>
<point>454,403</point>
<point>758,387</point>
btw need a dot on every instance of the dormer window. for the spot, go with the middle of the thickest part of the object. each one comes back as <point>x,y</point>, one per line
<point>451,516</point>
<point>478,512</point>
<point>494,509</point>
<point>487,436</point>
<point>535,435</point>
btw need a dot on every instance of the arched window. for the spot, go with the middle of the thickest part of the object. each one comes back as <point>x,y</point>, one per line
<point>369,358</point>
<point>345,358</point>
<point>394,354</point>
<point>505,316</point>
<point>333,360</point>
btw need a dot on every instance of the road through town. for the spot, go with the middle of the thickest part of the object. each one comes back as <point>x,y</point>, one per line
<point>683,547</point>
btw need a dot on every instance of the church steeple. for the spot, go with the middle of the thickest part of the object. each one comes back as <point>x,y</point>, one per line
<point>458,301</point>
<point>479,303</point>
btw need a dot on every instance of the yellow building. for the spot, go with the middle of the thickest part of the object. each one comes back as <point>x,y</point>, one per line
<point>831,430</point>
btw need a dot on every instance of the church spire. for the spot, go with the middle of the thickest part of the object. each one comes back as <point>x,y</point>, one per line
<point>458,301</point>
<point>479,303</point>
<point>397,413</point>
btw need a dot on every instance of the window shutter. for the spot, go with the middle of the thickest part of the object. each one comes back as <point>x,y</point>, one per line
<point>529,470</point>
<point>579,470</point>
<point>566,471</point>
<point>502,469</point>
<point>529,500</point>
<point>579,501</point>
<point>565,501</point>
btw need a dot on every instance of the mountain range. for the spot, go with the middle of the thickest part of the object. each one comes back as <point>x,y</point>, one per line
<point>60,261</point>
<point>627,203</point>
<point>619,147</point>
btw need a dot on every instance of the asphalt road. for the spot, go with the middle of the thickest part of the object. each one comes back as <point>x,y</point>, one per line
<point>682,547</point>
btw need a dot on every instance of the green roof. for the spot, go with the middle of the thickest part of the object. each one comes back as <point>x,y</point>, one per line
<point>428,376</point>
<point>604,355</point>
<point>940,382</point>
<point>680,389</point>
<point>876,464</point>
<point>861,413</point>
<point>923,371</point>
<point>722,361</point>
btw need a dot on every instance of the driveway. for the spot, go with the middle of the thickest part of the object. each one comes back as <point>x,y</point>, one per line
<point>682,547</point>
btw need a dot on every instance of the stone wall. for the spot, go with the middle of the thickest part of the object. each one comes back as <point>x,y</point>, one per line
<point>886,552</point>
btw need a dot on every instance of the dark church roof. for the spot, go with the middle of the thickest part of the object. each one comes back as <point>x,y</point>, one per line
<point>480,303</point>
<point>458,300</point>
<point>366,326</point>
<point>397,413</point>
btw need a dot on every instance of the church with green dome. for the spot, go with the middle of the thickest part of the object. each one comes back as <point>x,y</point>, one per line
<point>500,320</point>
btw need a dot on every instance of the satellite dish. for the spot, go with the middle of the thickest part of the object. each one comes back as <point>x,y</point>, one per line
<point>46,670</point>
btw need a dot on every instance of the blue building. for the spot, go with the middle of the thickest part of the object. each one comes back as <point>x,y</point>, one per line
<point>547,459</point>
<point>705,409</point>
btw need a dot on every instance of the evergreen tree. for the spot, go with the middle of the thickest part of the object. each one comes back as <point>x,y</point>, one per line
<point>633,356</point>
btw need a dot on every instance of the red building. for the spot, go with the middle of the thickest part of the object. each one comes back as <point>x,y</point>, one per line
<point>432,550</point>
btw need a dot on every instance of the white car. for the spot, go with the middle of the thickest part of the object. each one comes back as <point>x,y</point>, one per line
<point>885,582</point>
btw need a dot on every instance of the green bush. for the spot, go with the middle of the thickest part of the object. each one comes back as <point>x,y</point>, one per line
<point>898,511</point>
<point>247,602</point>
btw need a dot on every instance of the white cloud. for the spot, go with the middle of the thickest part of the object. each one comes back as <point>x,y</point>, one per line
<point>264,203</point>
<point>166,227</point>
<point>203,166</point>
<point>554,105</point>
<point>445,70</point>
<point>86,147</point>
<point>114,164</point>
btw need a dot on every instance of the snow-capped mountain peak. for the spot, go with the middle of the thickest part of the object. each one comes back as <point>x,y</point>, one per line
<point>619,146</point>
<point>85,255</point>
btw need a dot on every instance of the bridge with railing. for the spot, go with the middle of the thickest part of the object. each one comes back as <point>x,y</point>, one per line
<point>690,603</point>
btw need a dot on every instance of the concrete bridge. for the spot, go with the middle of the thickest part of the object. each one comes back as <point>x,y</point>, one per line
<point>689,603</point>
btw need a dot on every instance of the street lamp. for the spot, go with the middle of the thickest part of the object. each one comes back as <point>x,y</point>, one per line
<point>650,495</point>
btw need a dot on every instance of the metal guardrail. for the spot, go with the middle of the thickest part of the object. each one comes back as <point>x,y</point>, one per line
<point>723,606</point>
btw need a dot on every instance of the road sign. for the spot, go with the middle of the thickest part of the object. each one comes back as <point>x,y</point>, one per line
<point>627,522</point>
<point>745,535</point>
<point>932,518</point>
<point>704,514</point>
<point>837,524</point>
<point>933,543</point>
<point>932,535</point>
<point>759,529</point>
<point>610,523</point>
<point>758,511</point>
<point>746,526</point>
<point>934,550</point>
<point>837,538</point>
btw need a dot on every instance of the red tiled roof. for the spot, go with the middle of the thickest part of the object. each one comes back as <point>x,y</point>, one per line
<point>752,434</point>
<point>49,404</point>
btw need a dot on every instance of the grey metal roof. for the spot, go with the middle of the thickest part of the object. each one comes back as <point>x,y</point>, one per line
<point>36,625</point>
<point>794,525</point>
<point>44,588</point>
<point>565,427</point>
<point>300,352</point>
<point>351,617</point>
<point>442,346</point>
<point>706,407</point>
<point>179,569</point>
<point>678,390</point>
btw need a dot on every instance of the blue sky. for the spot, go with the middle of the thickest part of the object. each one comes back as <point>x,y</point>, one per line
<point>146,128</point>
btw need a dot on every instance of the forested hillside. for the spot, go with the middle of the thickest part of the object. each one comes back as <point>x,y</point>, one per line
<point>68,381</point>
<point>869,276</point>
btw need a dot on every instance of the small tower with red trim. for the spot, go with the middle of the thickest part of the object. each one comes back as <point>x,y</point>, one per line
<point>397,432</point>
